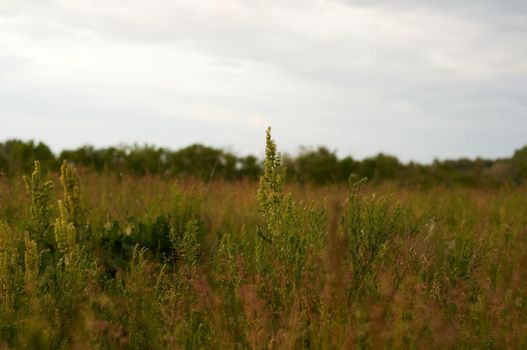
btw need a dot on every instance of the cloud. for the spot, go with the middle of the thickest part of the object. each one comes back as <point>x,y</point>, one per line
<point>10,63</point>
<point>401,76</point>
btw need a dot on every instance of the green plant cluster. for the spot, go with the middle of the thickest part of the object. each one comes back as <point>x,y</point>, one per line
<point>151,263</point>
<point>311,166</point>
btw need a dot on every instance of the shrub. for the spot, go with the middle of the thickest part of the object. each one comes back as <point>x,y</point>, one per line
<point>40,211</point>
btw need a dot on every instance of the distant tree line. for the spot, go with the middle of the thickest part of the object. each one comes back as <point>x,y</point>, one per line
<point>318,166</point>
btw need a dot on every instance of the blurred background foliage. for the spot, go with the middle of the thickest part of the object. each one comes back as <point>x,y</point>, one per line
<point>312,165</point>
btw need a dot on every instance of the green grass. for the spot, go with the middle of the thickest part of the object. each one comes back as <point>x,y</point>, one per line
<point>94,261</point>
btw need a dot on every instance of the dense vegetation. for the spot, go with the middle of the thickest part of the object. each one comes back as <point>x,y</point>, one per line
<point>151,262</point>
<point>317,166</point>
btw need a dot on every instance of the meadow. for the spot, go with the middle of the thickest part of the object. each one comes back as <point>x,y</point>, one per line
<point>106,261</point>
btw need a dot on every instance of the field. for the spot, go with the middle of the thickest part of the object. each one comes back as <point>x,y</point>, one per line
<point>108,261</point>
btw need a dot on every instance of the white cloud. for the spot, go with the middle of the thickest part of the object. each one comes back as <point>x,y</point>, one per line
<point>395,76</point>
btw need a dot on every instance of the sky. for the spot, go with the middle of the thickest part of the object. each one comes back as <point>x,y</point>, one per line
<point>418,79</point>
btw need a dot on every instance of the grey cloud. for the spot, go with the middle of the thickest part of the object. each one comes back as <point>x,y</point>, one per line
<point>448,76</point>
<point>448,5</point>
<point>10,63</point>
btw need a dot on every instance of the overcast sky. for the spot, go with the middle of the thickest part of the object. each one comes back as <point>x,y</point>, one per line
<point>414,78</point>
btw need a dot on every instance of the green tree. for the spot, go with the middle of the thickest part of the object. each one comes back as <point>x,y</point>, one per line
<point>319,166</point>
<point>519,165</point>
